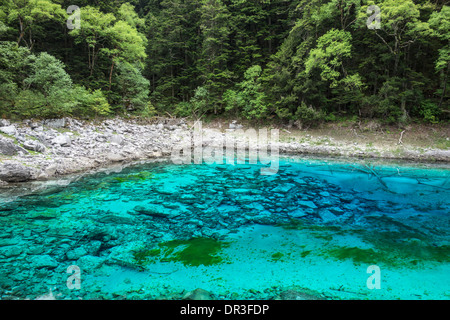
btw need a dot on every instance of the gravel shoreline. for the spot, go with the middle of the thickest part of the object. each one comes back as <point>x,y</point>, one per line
<point>45,150</point>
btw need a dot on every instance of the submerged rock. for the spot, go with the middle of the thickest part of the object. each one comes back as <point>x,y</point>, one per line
<point>308,204</point>
<point>295,294</point>
<point>43,261</point>
<point>298,213</point>
<point>199,294</point>
<point>327,216</point>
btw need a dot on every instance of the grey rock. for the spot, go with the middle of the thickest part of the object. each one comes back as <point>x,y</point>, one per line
<point>34,146</point>
<point>62,140</point>
<point>235,126</point>
<point>55,123</point>
<point>115,157</point>
<point>117,139</point>
<point>12,172</point>
<point>33,125</point>
<point>4,123</point>
<point>10,130</point>
<point>9,148</point>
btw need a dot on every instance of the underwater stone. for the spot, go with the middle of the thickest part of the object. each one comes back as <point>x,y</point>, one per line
<point>43,215</point>
<point>11,251</point>
<point>198,294</point>
<point>308,204</point>
<point>326,215</point>
<point>155,210</point>
<point>77,253</point>
<point>283,188</point>
<point>297,214</point>
<point>115,219</point>
<point>43,261</point>
<point>336,210</point>
<point>90,262</point>
<point>346,198</point>
<point>8,242</point>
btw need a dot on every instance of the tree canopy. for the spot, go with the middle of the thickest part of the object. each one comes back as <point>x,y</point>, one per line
<point>305,60</point>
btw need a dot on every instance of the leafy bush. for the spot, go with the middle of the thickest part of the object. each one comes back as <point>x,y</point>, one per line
<point>89,103</point>
<point>308,115</point>
<point>29,104</point>
<point>149,111</point>
<point>249,100</point>
<point>183,109</point>
<point>430,111</point>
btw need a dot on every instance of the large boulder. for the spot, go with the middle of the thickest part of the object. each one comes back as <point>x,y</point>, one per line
<point>10,130</point>
<point>4,123</point>
<point>9,148</point>
<point>62,140</point>
<point>55,123</point>
<point>34,145</point>
<point>13,172</point>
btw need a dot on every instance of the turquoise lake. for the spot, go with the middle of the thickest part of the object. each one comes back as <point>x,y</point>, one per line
<point>157,230</point>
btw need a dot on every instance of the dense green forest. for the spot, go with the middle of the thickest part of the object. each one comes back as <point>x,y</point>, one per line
<point>306,60</point>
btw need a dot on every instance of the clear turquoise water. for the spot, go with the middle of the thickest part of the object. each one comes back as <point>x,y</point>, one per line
<point>158,230</point>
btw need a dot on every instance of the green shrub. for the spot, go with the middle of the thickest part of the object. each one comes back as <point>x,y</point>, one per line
<point>183,109</point>
<point>89,103</point>
<point>430,111</point>
<point>308,115</point>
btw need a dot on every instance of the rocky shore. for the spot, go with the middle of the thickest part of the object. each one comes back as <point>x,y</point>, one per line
<point>42,150</point>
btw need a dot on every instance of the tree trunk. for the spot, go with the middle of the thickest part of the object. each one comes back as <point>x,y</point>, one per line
<point>111,72</point>
<point>22,32</point>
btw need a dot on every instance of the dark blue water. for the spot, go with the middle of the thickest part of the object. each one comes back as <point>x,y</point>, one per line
<point>159,230</point>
